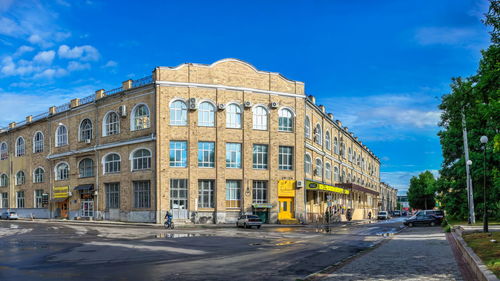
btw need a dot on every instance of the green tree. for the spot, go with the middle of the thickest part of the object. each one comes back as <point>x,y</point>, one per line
<point>421,191</point>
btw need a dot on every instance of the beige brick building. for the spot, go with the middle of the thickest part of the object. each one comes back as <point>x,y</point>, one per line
<point>208,142</point>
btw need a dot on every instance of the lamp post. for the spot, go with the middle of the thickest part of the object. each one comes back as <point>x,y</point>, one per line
<point>484,140</point>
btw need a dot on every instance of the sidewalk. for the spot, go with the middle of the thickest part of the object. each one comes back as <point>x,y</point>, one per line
<point>420,253</point>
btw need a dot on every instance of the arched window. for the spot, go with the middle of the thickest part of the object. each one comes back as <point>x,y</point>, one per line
<point>4,180</point>
<point>319,168</point>
<point>140,117</point>
<point>86,130</point>
<point>86,168</point>
<point>335,145</point>
<point>38,142</point>
<point>20,178</point>
<point>342,148</point>
<point>260,118</point>
<point>336,176</point>
<point>307,164</point>
<point>318,134</point>
<point>349,154</point>
<point>354,156</point>
<point>112,163</point>
<point>178,113</point>
<point>111,124</point>
<point>285,121</point>
<point>141,160</point>
<point>62,171</point>
<point>61,136</point>
<point>359,160</point>
<point>307,128</point>
<point>328,171</point>
<point>343,178</point>
<point>206,114</point>
<point>38,175</point>
<point>20,147</point>
<point>233,116</point>
<point>4,151</point>
<point>328,142</point>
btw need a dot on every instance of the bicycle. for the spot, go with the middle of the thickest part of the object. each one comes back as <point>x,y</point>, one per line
<point>169,225</point>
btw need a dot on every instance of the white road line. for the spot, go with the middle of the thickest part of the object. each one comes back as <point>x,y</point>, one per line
<point>150,248</point>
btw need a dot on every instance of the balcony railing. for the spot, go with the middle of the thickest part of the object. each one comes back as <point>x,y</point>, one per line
<point>63,107</point>
<point>87,99</point>
<point>143,81</point>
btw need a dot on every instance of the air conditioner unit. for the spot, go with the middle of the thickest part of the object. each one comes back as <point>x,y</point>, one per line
<point>299,184</point>
<point>192,104</point>
<point>122,110</point>
<point>87,141</point>
<point>222,106</point>
<point>274,105</point>
<point>248,104</point>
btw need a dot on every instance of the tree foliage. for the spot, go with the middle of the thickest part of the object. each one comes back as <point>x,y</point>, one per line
<point>421,191</point>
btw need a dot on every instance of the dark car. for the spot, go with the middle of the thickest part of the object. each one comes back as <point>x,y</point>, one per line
<point>396,213</point>
<point>422,219</point>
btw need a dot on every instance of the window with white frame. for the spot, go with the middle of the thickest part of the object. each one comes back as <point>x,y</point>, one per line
<point>328,142</point>
<point>328,171</point>
<point>318,134</point>
<point>336,175</point>
<point>260,118</point>
<point>142,194</point>
<point>206,114</point>
<point>343,177</point>
<point>285,120</point>
<point>111,124</point>
<point>285,158</point>
<point>233,155</point>
<point>307,127</point>
<point>62,171</point>
<point>4,202</point>
<point>4,180</point>
<point>233,194</point>
<point>20,178</point>
<point>206,154</point>
<point>61,136</point>
<point>86,168</point>
<point>20,147</point>
<point>86,130</point>
<point>4,151</point>
<point>260,156</point>
<point>38,175</point>
<point>354,157</point>
<point>178,113</point>
<point>140,117</point>
<point>342,148</point>
<point>112,195</point>
<point>259,194</point>
<point>20,199</point>
<point>206,193</point>
<point>38,195</point>
<point>349,154</point>
<point>112,163</point>
<point>318,171</point>
<point>233,116</point>
<point>38,142</point>
<point>141,159</point>
<point>358,162</point>
<point>307,164</point>
<point>178,153</point>
<point>335,145</point>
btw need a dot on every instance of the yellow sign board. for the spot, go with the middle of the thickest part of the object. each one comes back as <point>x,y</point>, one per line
<point>286,188</point>
<point>319,186</point>
<point>61,192</point>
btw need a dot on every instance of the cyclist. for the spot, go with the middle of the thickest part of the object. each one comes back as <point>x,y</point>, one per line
<point>168,218</point>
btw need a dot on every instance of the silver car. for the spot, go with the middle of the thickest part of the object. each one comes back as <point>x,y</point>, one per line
<point>9,215</point>
<point>247,221</point>
<point>383,215</point>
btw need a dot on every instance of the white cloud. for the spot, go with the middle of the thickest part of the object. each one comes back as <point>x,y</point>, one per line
<point>85,53</point>
<point>110,63</point>
<point>23,49</point>
<point>443,35</point>
<point>45,57</point>
<point>51,73</point>
<point>9,27</point>
<point>75,66</point>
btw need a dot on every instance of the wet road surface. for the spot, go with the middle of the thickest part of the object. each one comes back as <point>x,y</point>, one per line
<point>59,251</point>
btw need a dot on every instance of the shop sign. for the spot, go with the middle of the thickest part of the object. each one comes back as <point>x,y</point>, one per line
<point>262,205</point>
<point>45,199</point>
<point>286,188</point>
<point>61,192</point>
<point>319,186</point>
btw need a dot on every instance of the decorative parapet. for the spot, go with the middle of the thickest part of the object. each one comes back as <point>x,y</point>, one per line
<point>12,125</point>
<point>52,110</point>
<point>127,84</point>
<point>74,103</point>
<point>99,94</point>
<point>29,119</point>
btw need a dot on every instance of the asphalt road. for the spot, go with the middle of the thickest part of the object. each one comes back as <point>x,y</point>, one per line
<point>59,251</point>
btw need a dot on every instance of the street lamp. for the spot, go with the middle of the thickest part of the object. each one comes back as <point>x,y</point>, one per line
<point>484,140</point>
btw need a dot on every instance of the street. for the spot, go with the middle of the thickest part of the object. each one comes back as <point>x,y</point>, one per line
<point>53,250</point>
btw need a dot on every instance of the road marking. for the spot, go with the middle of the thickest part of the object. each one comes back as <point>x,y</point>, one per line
<point>150,248</point>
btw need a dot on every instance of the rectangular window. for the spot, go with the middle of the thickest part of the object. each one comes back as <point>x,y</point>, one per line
<point>178,194</point>
<point>260,156</point>
<point>285,158</point>
<point>38,198</point>
<point>178,153</point>
<point>4,203</point>
<point>112,195</point>
<point>38,145</point>
<point>233,155</point>
<point>142,194</point>
<point>233,194</point>
<point>20,199</point>
<point>206,154</point>
<point>206,193</point>
<point>259,192</point>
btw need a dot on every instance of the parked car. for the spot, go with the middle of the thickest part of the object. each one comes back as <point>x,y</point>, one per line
<point>396,213</point>
<point>247,221</point>
<point>9,215</point>
<point>383,215</point>
<point>438,213</point>
<point>404,213</point>
<point>422,219</point>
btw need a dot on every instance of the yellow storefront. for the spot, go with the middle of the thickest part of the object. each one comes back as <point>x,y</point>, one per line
<point>286,199</point>
<point>60,197</point>
<point>322,198</point>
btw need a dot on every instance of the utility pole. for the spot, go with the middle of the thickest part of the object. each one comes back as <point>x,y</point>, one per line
<point>470,193</point>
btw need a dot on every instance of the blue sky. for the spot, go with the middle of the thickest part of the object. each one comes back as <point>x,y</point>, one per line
<point>379,66</point>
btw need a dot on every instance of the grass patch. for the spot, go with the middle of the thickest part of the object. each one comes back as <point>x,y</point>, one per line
<point>489,252</point>
<point>479,222</point>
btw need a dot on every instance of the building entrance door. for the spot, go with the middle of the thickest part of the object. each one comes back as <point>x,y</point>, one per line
<point>63,207</point>
<point>87,209</point>
<point>179,198</point>
<point>285,208</point>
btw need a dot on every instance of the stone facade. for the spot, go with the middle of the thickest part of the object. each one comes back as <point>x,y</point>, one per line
<point>388,197</point>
